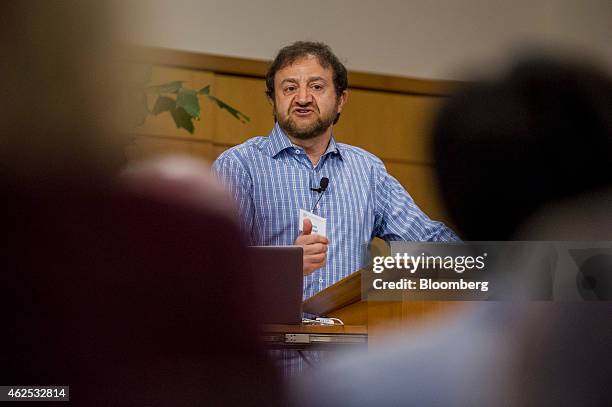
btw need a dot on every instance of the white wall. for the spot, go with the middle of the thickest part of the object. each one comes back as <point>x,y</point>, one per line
<point>419,38</point>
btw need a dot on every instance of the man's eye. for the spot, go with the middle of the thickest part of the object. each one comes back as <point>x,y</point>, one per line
<point>317,87</point>
<point>290,88</point>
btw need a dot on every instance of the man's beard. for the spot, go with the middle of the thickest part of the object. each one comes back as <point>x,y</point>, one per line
<point>314,129</point>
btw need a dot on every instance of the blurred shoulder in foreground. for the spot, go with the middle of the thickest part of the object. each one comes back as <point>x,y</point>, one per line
<point>131,292</point>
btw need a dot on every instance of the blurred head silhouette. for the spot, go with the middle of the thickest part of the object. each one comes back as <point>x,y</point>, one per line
<point>505,149</point>
<point>126,296</point>
<point>533,148</point>
<point>60,70</point>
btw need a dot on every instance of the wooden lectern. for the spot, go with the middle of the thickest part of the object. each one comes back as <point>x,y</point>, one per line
<point>365,321</point>
<point>344,300</point>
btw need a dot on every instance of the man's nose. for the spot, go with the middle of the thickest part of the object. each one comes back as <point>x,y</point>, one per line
<point>304,96</point>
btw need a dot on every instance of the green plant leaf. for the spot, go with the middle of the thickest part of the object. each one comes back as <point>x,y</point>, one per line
<point>182,119</point>
<point>188,100</point>
<point>222,105</point>
<point>170,87</point>
<point>163,104</point>
<point>184,109</point>
<point>234,112</point>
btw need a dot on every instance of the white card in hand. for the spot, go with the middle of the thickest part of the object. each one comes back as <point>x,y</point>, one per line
<point>319,224</point>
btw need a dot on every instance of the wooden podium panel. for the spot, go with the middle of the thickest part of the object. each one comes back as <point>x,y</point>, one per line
<point>343,300</point>
<point>343,294</point>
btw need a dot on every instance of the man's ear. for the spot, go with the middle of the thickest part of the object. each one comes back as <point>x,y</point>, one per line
<point>342,100</point>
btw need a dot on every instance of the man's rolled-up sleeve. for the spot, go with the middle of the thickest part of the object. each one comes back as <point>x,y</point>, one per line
<point>397,215</point>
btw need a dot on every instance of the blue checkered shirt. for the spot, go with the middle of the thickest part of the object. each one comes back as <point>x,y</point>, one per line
<point>270,179</point>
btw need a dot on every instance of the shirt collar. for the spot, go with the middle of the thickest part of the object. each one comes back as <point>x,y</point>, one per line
<point>333,147</point>
<point>278,141</point>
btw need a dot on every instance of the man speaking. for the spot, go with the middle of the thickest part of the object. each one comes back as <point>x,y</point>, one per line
<point>299,186</point>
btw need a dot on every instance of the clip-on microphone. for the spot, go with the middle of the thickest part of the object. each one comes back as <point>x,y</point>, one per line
<point>322,187</point>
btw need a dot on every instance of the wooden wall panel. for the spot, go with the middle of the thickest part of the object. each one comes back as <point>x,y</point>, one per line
<point>217,149</point>
<point>391,126</point>
<point>248,96</point>
<point>144,147</point>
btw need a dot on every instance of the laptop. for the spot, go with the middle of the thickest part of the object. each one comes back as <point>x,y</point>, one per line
<point>280,282</point>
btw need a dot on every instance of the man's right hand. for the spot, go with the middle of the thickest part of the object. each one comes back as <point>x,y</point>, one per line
<point>315,248</point>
